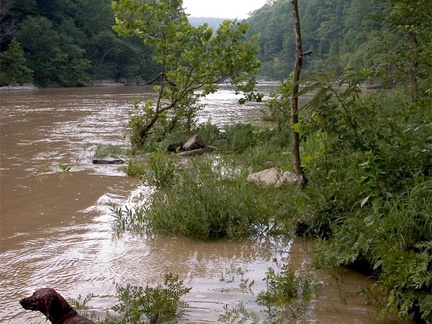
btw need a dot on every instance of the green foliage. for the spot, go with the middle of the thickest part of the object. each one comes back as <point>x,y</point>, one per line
<point>139,116</point>
<point>70,41</point>
<point>81,301</point>
<point>210,132</point>
<point>135,168</point>
<point>13,66</point>
<point>238,138</point>
<point>53,56</point>
<point>208,199</point>
<point>337,31</point>
<point>209,203</point>
<point>109,151</point>
<point>288,295</point>
<point>393,236</point>
<point>239,315</point>
<point>139,305</point>
<point>64,167</point>
<point>278,109</point>
<point>369,163</point>
<point>129,220</point>
<point>190,58</point>
<point>409,57</point>
<point>162,169</point>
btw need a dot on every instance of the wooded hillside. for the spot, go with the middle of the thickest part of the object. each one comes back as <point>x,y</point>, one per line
<point>66,42</point>
<point>340,33</point>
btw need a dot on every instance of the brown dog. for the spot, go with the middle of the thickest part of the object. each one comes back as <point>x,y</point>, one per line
<point>54,307</point>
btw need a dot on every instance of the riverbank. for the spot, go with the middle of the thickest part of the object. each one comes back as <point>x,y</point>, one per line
<point>18,88</point>
<point>97,83</point>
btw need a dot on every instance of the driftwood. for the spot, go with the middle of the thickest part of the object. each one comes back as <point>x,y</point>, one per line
<point>205,149</point>
<point>108,160</point>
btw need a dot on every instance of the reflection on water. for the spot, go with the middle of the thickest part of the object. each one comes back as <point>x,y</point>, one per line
<point>55,226</point>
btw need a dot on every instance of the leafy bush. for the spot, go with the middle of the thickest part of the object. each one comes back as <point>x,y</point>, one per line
<point>393,237</point>
<point>156,169</point>
<point>161,170</point>
<point>135,168</point>
<point>369,165</point>
<point>209,199</point>
<point>139,305</point>
<point>206,204</point>
<point>288,294</point>
<point>109,151</point>
<point>239,315</point>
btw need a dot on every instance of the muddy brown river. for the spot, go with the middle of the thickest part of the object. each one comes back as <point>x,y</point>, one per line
<point>56,225</point>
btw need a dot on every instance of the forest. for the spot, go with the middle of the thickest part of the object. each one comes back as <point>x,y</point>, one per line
<point>367,158</point>
<point>69,42</point>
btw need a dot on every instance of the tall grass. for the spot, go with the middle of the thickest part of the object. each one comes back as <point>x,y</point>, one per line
<point>205,203</point>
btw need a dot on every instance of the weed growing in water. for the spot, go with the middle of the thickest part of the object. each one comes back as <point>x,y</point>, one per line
<point>288,294</point>
<point>135,168</point>
<point>139,305</point>
<point>210,205</point>
<point>162,169</point>
<point>239,315</point>
<point>129,220</point>
<point>109,151</point>
<point>64,167</point>
<point>80,303</point>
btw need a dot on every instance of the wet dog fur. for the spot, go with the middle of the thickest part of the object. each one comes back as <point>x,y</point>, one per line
<point>56,309</point>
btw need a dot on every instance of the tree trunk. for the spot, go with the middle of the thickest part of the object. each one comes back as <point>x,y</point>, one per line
<point>146,128</point>
<point>413,70</point>
<point>294,97</point>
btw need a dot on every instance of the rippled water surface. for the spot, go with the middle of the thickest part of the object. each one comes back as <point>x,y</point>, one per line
<point>55,225</point>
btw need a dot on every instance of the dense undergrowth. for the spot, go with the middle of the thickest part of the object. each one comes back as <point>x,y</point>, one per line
<point>369,199</point>
<point>368,203</point>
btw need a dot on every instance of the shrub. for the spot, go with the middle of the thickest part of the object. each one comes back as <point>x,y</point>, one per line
<point>206,205</point>
<point>161,169</point>
<point>288,294</point>
<point>369,169</point>
<point>109,151</point>
<point>209,199</point>
<point>238,137</point>
<point>139,305</point>
<point>135,168</point>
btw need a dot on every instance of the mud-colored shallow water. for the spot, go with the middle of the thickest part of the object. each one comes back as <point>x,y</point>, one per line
<point>55,225</point>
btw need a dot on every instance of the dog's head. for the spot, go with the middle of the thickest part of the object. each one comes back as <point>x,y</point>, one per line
<point>48,302</point>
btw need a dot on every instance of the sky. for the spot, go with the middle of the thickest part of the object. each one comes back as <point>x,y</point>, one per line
<point>222,8</point>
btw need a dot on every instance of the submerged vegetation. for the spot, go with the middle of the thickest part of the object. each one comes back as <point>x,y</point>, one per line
<point>159,304</point>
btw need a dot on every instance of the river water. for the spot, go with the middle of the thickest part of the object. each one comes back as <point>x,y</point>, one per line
<point>56,230</point>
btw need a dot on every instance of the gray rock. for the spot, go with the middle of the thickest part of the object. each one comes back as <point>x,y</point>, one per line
<point>193,143</point>
<point>205,149</point>
<point>272,177</point>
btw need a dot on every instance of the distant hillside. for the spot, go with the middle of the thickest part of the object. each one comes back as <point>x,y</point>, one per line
<point>212,22</point>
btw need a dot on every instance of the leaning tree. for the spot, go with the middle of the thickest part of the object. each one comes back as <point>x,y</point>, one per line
<point>193,60</point>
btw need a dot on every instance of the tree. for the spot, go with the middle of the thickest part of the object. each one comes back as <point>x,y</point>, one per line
<point>295,95</point>
<point>412,56</point>
<point>193,60</point>
<point>53,55</point>
<point>13,66</point>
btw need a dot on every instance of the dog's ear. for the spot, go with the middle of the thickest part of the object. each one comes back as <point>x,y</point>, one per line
<point>55,306</point>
